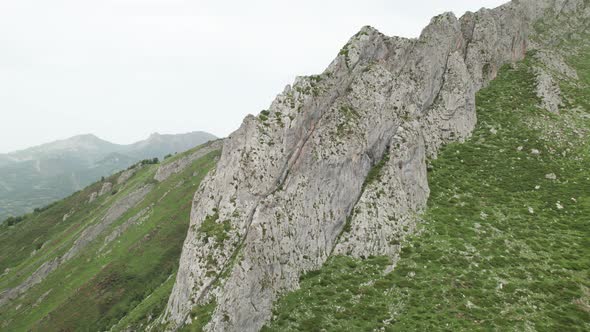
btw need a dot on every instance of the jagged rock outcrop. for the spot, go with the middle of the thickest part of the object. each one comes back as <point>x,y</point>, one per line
<point>548,91</point>
<point>549,66</point>
<point>138,218</point>
<point>92,197</point>
<point>127,174</point>
<point>298,183</point>
<point>179,165</point>
<point>106,188</point>
<point>67,215</point>
<point>385,213</point>
<point>113,213</point>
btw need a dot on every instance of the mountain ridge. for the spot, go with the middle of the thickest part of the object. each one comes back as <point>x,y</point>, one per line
<point>36,176</point>
<point>92,139</point>
<point>292,180</point>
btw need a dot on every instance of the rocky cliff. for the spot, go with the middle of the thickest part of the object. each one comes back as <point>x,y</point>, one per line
<point>297,183</point>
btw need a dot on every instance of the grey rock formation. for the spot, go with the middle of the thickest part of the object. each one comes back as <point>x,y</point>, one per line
<point>106,188</point>
<point>549,66</point>
<point>67,215</point>
<point>127,174</point>
<point>548,91</point>
<point>385,213</point>
<point>551,176</point>
<point>178,165</point>
<point>35,278</point>
<point>114,212</point>
<point>292,183</point>
<point>138,218</point>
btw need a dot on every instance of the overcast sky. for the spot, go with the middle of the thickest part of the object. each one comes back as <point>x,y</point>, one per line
<point>122,69</point>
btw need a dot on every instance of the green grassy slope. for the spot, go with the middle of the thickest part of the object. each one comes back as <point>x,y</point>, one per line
<point>501,248</point>
<point>130,277</point>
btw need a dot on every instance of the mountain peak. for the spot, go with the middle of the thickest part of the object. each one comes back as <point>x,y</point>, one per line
<point>87,138</point>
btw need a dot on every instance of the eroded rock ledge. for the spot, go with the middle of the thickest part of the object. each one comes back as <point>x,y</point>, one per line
<point>293,185</point>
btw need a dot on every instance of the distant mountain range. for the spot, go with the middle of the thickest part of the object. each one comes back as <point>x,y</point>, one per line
<point>36,176</point>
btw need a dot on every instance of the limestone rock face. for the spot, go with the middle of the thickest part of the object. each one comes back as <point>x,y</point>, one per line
<point>337,164</point>
<point>550,65</point>
<point>106,188</point>
<point>386,210</point>
<point>140,217</point>
<point>126,175</point>
<point>113,213</point>
<point>548,90</point>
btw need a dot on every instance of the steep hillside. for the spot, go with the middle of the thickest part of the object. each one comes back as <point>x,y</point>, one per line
<point>107,252</point>
<point>323,190</point>
<point>39,175</point>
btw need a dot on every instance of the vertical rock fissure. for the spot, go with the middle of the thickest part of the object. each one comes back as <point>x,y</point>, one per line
<point>441,86</point>
<point>349,214</point>
<point>281,179</point>
<point>468,40</point>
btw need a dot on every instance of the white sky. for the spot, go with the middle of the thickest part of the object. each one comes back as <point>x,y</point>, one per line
<point>122,69</point>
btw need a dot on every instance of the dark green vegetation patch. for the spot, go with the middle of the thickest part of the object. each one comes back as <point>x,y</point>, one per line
<point>213,228</point>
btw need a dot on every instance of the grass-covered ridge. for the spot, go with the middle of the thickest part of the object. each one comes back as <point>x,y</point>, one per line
<point>122,284</point>
<point>503,246</point>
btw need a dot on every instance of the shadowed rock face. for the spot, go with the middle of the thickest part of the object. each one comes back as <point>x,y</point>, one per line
<point>291,179</point>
